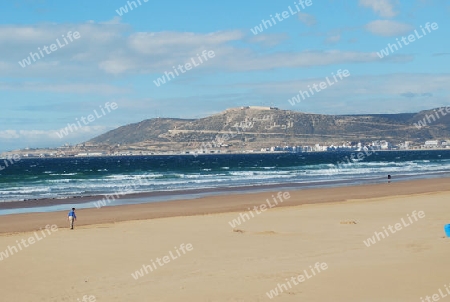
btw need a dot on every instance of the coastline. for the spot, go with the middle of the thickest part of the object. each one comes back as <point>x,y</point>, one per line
<point>93,201</point>
<point>219,204</point>
<point>53,183</point>
<point>163,196</point>
<point>179,153</point>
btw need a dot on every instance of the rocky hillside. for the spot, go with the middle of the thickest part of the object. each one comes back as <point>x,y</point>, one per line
<point>263,127</point>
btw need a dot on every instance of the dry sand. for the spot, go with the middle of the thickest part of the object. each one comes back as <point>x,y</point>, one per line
<point>245,263</point>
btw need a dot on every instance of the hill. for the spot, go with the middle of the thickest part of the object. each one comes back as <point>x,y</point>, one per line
<point>258,127</point>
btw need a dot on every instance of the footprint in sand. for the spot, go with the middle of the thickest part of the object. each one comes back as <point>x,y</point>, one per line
<point>266,233</point>
<point>256,233</point>
<point>348,222</point>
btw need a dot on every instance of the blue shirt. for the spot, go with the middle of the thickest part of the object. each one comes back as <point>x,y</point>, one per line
<point>72,213</point>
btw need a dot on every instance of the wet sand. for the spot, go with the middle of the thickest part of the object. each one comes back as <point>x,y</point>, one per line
<point>216,204</point>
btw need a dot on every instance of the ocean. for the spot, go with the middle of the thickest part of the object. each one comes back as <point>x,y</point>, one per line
<point>174,175</point>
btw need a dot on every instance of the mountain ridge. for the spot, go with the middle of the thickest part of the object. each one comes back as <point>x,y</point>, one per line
<point>259,127</point>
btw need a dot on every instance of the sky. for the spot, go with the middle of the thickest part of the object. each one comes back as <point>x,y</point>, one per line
<point>96,64</point>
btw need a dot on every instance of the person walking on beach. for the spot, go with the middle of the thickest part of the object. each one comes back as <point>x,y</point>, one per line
<point>72,217</point>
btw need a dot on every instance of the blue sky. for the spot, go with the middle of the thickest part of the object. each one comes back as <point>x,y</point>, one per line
<point>118,58</point>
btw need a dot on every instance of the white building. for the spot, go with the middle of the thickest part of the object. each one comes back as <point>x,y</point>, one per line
<point>431,144</point>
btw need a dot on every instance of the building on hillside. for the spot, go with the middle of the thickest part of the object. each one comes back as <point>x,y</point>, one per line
<point>431,144</point>
<point>405,146</point>
<point>260,107</point>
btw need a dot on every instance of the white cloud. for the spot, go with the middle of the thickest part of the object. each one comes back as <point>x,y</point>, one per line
<point>387,28</point>
<point>307,19</point>
<point>76,88</point>
<point>48,135</point>
<point>108,50</point>
<point>117,66</point>
<point>163,42</point>
<point>9,134</point>
<point>312,58</point>
<point>361,94</point>
<point>268,39</point>
<point>384,8</point>
<point>333,39</point>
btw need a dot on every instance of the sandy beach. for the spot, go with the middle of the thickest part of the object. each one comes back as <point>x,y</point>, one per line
<point>312,246</point>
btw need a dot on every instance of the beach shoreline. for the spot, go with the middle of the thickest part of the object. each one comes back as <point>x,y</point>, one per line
<point>49,184</point>
<point>124,198</point>
<point>219,204</point>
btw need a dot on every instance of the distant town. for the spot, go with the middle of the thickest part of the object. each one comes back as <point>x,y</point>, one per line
<point>83,150</point>
<point>376,145</point>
